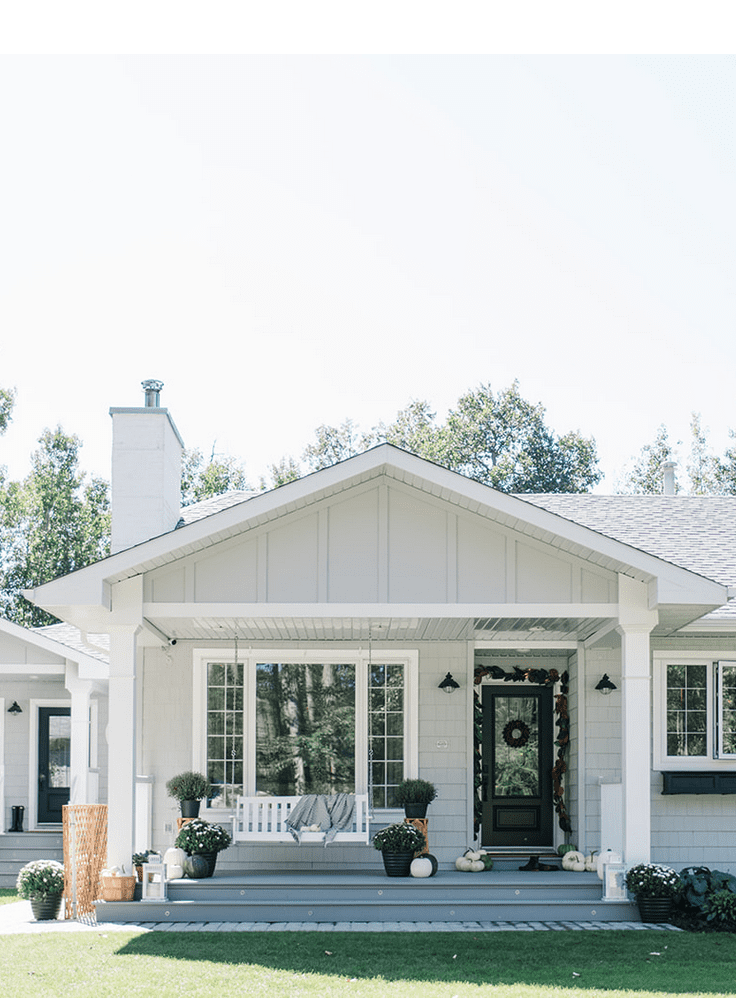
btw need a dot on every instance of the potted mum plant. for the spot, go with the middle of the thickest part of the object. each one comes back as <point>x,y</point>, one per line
<point>414,795</point>
<point>398,845</point>
<point>655,888</point>
<point>201,841</point>
<point>189,788</point>
<point>42,882</point>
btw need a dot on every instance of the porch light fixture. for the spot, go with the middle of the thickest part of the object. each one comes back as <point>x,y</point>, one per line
<point>606,686</point>
<point>448,684</point>
<point>14,708</point>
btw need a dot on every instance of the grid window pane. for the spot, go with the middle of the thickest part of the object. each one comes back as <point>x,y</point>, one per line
<point>386,701</point>
<point>687,717</point>
<point>225,732</point>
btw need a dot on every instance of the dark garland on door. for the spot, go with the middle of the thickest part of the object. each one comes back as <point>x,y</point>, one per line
<point>537,676</point>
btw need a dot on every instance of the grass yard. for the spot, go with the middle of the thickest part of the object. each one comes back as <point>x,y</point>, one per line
<point>368,965</point>
<point>8,895</point>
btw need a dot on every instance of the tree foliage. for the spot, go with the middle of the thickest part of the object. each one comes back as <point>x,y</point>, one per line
<point>52,523</point>
<point>200,479</point>
<point>646,473</point>
<point>7,402</point>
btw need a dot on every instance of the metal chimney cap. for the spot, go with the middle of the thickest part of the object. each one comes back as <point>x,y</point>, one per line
<point>152,388</point>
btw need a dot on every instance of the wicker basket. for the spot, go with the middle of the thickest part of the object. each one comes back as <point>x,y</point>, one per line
<point>117,888</point>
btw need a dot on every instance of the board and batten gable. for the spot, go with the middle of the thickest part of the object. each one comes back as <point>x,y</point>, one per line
<point>381,542</point>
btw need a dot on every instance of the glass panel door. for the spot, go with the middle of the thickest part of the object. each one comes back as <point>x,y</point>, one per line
<point>517,766</point>
<point>54,760</point>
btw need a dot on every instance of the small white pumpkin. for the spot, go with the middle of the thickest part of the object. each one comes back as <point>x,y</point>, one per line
<point>477,866</point>
<point>578,867</point>
<point>571,858</point>
<point>463,863</point>
<point>473,854</point>
<point>591,863</point>
<point>421,867</point>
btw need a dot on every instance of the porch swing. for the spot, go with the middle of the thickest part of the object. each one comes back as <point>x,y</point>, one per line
<point>266,818</point>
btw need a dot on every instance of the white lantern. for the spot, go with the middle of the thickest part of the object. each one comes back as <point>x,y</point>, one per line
<point>609,856</point>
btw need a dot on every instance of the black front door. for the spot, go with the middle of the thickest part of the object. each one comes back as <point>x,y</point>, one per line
<point>54,747</point>
<point>517,765</point>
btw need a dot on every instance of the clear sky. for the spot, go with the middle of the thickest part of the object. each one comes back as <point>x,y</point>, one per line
<point>290,240</point>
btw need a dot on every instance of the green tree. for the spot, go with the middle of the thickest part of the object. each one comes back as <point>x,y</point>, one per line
<point>413,429</point>
<point>703,467</point>
<point>283,472</point>
<point>335,443</point>
<point>201,480</point>
<point>646,475</point>
<point>7,402</point>
<point>52,523</point>
<point>501,440</point>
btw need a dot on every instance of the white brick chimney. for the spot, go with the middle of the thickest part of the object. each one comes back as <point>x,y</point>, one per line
<point>146,470</point>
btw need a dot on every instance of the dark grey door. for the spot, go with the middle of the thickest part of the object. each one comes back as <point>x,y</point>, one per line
<point>54,758</point>
<point>517,766</point>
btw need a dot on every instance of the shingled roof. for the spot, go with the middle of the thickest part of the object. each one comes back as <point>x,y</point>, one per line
<point>697,533</point>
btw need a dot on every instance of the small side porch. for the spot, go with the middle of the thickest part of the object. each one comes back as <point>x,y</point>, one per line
<point>504,894</point>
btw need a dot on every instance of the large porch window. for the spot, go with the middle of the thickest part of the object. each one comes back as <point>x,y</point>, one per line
<point>288,722</point>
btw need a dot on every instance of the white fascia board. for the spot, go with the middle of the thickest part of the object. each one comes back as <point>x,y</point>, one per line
<point>88,584</point>
<point>31,669</point>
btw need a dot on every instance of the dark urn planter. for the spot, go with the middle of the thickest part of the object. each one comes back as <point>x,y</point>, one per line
<point>189,808</point>
<point>654,909</point>
<point>46,909</point>
<point>200,865</point>
<point>397,864</point>
<point>415,810</point>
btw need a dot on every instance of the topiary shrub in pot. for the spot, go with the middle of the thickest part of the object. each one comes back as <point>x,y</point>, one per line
<point>189,788</point>
<point>414,795</point>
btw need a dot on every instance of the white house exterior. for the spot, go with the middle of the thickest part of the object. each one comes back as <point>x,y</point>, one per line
<point>53,717</point>
<point>384,573</point>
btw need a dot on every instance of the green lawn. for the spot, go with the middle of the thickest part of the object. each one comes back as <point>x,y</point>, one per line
<point>368,965</point>
<point>8,895</point>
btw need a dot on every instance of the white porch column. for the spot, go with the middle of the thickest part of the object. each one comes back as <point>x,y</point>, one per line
<point>121,737</point>
<point>80,691</point>
<point>636,621</point>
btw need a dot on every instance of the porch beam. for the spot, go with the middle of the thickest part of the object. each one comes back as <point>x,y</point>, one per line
<point>382,610</point>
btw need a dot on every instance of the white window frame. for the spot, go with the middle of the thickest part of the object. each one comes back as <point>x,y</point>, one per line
<point>712,760</point>
<point>250,657</point>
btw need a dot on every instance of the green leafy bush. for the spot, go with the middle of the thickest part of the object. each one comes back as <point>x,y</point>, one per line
<point>720,909</point>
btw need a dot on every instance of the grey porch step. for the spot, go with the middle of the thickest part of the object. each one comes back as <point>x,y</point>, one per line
<point>17,849</point>
<point>373,897</point>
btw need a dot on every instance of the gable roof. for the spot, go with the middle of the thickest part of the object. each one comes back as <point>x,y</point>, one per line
<point>84,597</point>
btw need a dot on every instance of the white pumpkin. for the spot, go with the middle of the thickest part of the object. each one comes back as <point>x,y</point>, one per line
<point>591,863</point>
<point>174,860</point>
<point>463,863</point>
<point>477,866</point>
<point>571,858</point>
<point>421,867</point>
<point>578,867</point>
<point>474,855</point>
<point>609,856</point>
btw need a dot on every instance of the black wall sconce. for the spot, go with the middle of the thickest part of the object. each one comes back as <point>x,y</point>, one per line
<point>606,686</point>
<point>14,708</point>
<point>448,684</point>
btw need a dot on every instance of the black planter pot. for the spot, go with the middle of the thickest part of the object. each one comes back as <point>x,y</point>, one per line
<point>46,909</point>
<point>189,808</point>
<point>415,810</point>
<point>397,864</point>
<point>654,909</point>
